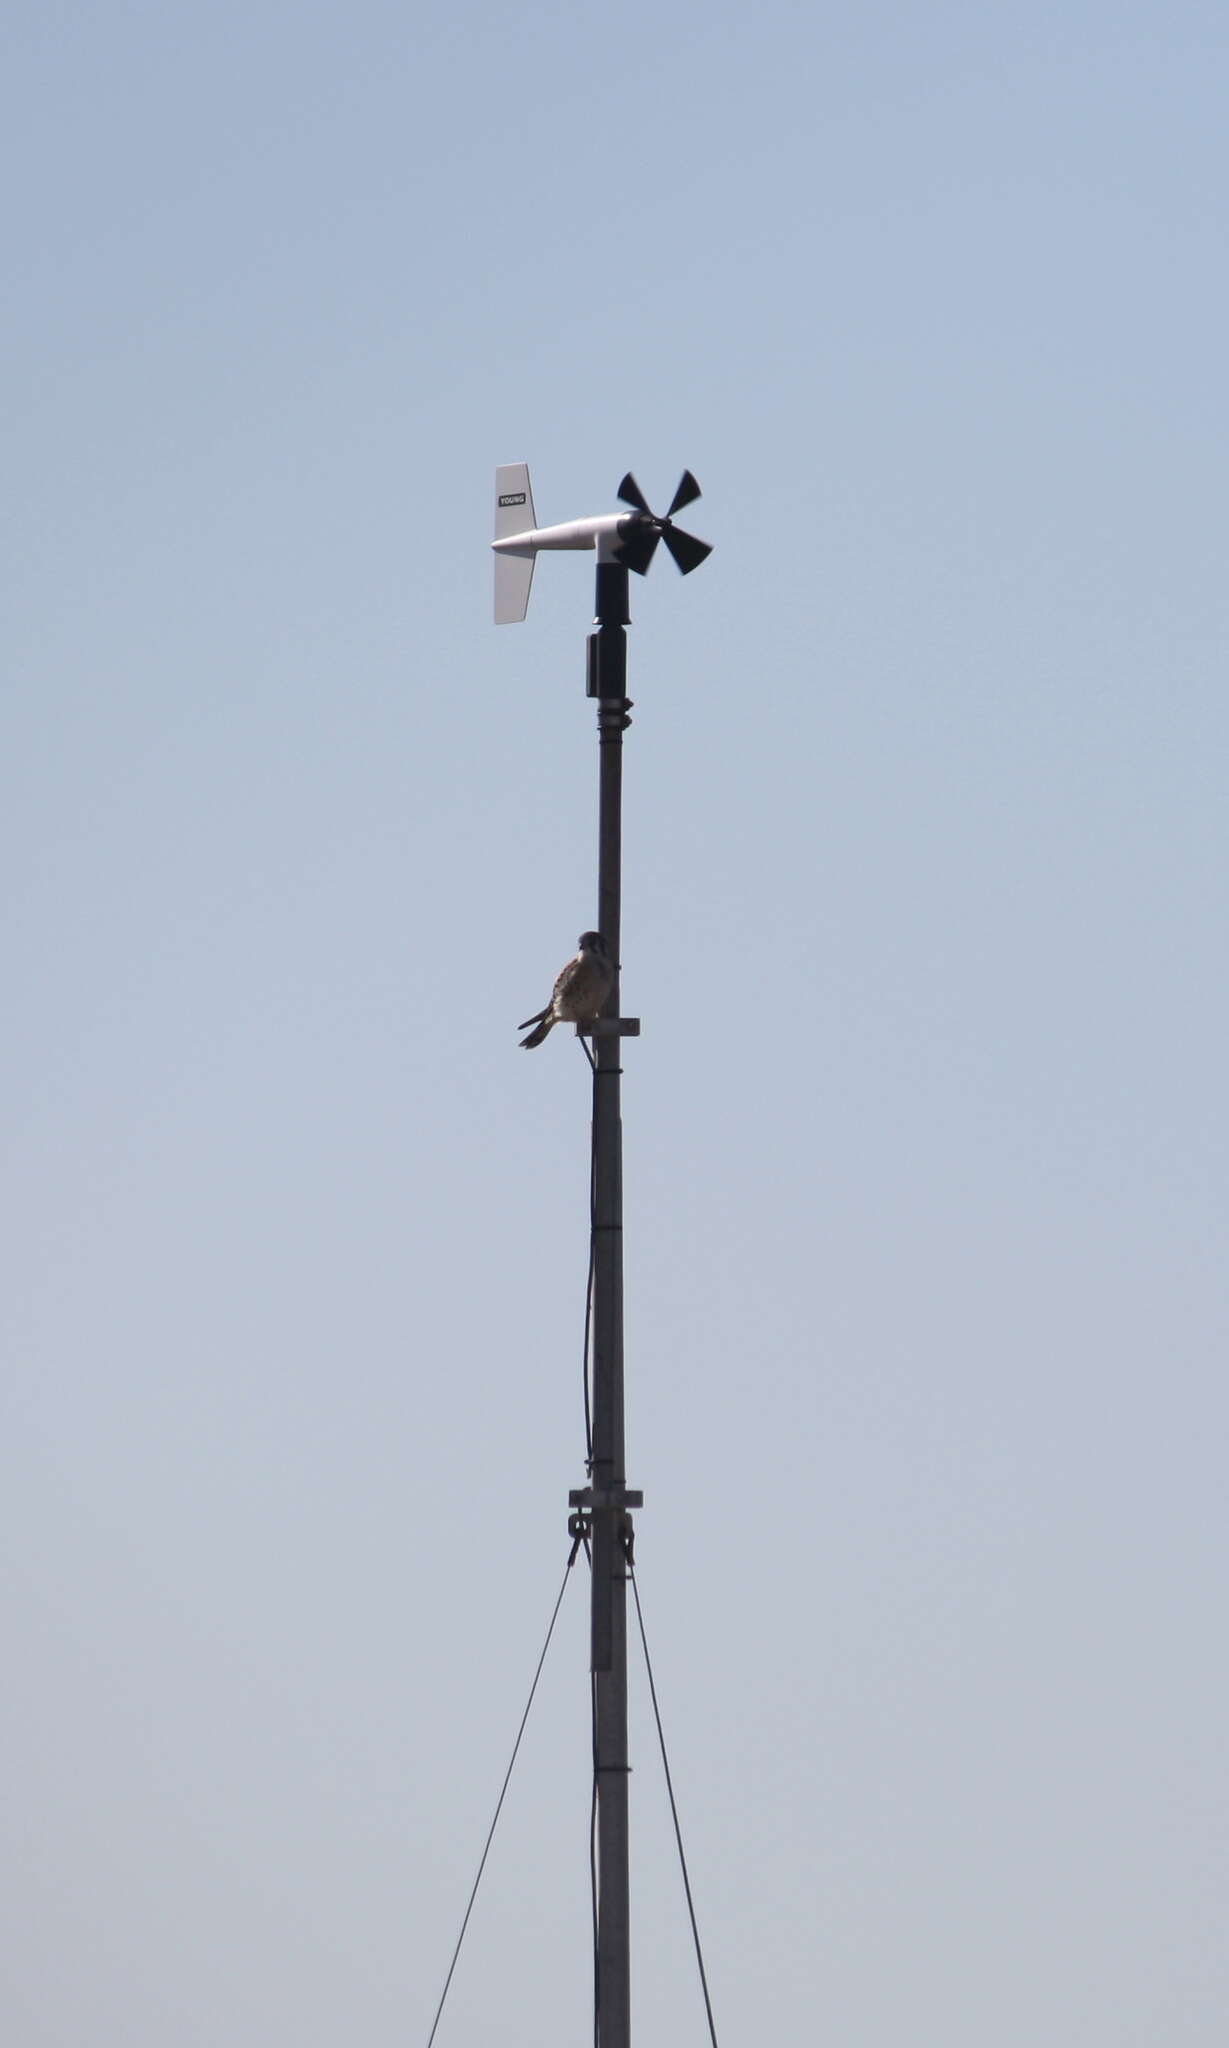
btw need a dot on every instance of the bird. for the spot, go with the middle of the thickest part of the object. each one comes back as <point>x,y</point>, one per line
<point>579,992</point>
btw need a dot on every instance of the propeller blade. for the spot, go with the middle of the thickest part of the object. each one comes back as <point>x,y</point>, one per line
<point>686,494</point>
<point>688,552</point>
<point>631,494</point>
<point>637,548</point>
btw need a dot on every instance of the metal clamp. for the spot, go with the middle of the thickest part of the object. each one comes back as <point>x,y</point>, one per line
<point>609,1027</point>
<point>605,1499</point>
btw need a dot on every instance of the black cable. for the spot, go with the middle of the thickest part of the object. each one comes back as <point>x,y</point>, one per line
<point>597,1961</point>
<point>674,1812</point>
<point>592,1251</point>
<point>586,1364</point>
<point>585,1356</point>
<point>593,1823</point>
<point>593,1826</point>
<point>503,1792</point>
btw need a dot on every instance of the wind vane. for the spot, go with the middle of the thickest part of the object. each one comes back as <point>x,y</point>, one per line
<point>629,538</point>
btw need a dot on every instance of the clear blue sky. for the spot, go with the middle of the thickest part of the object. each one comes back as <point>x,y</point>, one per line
<point>925,917</point>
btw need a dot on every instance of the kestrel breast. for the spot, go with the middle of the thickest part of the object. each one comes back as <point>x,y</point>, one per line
<point>581,990</point>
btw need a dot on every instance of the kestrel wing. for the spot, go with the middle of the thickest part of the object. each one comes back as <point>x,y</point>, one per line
<point>564,980</point>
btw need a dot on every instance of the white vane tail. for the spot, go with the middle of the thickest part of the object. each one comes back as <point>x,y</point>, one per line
<point>513,569</point>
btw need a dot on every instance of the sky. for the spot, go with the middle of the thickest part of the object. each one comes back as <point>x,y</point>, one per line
<point>924,914</point>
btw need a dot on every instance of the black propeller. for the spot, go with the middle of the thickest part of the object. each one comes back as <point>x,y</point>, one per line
<point>637,547</point>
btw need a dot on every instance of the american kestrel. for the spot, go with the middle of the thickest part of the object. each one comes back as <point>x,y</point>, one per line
<point>579,992</point>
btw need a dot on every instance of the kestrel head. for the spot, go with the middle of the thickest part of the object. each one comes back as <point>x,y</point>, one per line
<point>593,942</point>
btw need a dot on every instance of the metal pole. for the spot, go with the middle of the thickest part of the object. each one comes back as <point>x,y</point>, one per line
<point>607,681</point>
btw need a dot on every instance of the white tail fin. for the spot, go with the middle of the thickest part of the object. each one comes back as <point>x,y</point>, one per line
<point>513,514</point>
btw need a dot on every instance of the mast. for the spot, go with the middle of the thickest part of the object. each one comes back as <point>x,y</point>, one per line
<point>601,1511</point>
<point>607,1497</point>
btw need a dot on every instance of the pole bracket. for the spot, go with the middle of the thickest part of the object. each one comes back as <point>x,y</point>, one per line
<point>605,1499</point>
<point>610,1027</point>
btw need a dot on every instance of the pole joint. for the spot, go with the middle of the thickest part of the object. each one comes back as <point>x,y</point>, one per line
<point>604,1500</point>
<point>614,715</point>
<point>588,1502</point>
